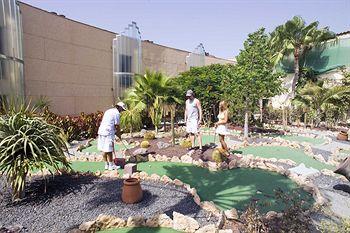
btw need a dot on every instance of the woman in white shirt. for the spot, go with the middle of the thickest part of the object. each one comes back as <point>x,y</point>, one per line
<point>221,128</point>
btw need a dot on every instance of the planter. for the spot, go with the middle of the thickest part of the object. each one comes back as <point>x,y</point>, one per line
<point>132,192</point>
<point>342,136</point>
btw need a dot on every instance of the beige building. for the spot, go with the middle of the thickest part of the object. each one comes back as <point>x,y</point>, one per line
<point>71,63</point>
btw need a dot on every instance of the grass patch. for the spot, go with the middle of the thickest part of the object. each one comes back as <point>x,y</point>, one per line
<point>282,152</point>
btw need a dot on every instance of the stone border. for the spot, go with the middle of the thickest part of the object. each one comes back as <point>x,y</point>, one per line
<point>179,222</point>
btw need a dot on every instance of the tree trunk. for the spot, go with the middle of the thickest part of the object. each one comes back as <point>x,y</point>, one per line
<point>246,121</point>
<point>261,110</point>
<point>172,116</point>
<point>284,118</point>
<point>164,124</point>
<point>296,70</point>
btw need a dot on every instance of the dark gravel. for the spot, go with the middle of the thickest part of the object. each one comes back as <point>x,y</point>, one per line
<point>73,199</point>
<point>333,184</point>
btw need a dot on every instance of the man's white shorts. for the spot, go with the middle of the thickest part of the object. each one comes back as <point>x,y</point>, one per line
<point>105,143</point>
<point>192,126</point>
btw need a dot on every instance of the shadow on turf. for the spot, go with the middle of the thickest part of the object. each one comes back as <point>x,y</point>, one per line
<point>213,186</point>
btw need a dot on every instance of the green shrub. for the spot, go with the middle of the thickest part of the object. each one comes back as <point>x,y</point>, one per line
<point>149,135</point>
<point>186,143</point>
<point>27,143</point>
<point>218,155</point>
<point>144,144</point>
<point>79,127</point>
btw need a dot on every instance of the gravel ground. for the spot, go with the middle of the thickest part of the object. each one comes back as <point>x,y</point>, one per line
<point>71,200</point>
<point>333,184</point>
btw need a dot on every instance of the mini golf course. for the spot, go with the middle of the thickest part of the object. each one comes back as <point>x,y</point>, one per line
<point>227,188</point>
<point>282,152</point>
<point>140,230</point>
<point>300,139</point>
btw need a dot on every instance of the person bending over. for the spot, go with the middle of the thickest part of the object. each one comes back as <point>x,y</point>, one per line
<point>109,128</point>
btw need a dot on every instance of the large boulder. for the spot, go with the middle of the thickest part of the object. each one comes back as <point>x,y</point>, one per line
<point>184,223</point>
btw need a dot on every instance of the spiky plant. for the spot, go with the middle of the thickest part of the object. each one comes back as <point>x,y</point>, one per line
<point>28,143</point>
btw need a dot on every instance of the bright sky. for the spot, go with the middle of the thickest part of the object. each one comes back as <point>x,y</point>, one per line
<point>221,25</point>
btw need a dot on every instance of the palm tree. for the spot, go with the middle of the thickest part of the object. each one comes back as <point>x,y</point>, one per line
<point>132,118</point>
<point>315,96</point>
<point>155,91</point>
<point>296,37</point>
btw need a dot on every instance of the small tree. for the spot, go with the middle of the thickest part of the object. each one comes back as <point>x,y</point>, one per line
<point>156,112</point>
<point>252,78</point>
<point>27,142</point>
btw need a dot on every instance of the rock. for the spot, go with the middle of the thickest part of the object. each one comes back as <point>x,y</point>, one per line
<point>232,164</point>
<point>225,231</point>
<point>152,222</point>
<point>127,176</point>
<point>271,215</point>
<point>163,145</point>
<point>98,173</point>
<point>151,158</point>
<point>178,182</point>
<point>165,179</point>
<point>212,166</point>
<point>143,175</point>
<point>140,151</point>
<point>159,157</point>
<point>88,226</point>
<point>108,221</point>
<point>135,221</point>
<point>207,229</point>
<point>184,223</point>
<point>165,158</point>
<point>210,207</point>
<point>186,159</point>
<point>175,159</point>
<point>165,221</point>
<point>197,199</point>
<point>154,177</point>
<point>223,165</point>
<point>221,221</point>
<point>231,214</point>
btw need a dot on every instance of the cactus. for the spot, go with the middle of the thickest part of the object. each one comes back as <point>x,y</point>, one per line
<point>219,155</point>
<point>144,144</point>
<point>149,136</point>
<point>185,143</point>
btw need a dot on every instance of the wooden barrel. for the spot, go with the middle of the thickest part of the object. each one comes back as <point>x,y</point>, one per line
<point>132,192</point>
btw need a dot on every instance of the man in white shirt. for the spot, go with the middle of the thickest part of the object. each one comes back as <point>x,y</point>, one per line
<point>109,128</point>
<point>193,118</point>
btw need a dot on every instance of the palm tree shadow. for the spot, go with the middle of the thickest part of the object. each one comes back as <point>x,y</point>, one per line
<point>234,188</point>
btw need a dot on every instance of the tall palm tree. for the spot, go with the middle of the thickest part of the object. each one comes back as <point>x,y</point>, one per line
<point>296,37</point>
<point>315,97</point>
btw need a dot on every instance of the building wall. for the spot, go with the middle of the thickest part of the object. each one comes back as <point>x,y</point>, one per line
<point>71,63</point>
<point>68,62</point>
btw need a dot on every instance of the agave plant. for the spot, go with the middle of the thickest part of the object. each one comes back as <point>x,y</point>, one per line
<point>29,143</point>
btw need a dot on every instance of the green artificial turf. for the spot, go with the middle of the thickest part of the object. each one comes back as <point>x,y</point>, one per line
<point>117,147</point>
<point>140,230</point>
<point>282,152</point>
<point>228,188</point>
<point>296,138</point>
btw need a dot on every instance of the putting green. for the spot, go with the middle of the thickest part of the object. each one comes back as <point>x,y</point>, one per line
<point>117,147</point>
<point>282,152</point>
<point>228,188</point>
<point>140,230</point>
<point>296,138</point>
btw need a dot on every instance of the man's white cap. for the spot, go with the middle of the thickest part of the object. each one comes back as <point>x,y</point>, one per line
<point>122,105</point>
<point>189,93</point>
